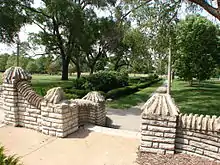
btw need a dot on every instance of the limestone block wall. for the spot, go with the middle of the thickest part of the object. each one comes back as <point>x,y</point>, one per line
<point>198,135</point>
<point>51,115</point>
<point>59,119</point>
<point>97,115</point>
<point>158,129</point>
<point>158,134</point>
<point>164,130</point>
<point>1,93</point>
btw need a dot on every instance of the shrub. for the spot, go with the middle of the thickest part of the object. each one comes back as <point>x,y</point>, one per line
<point>71,96</point>
<point>138,80</point>
<point>102,81</point>
<point>79,83</point>
<point>79,93</point>
<point>116,93</point>
<point>8,160</point>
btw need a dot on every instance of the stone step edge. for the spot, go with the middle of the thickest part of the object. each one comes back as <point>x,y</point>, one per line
<point>112,131</point>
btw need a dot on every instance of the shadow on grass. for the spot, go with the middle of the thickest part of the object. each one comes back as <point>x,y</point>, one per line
<point>199,99</point>
<point>133,99</point>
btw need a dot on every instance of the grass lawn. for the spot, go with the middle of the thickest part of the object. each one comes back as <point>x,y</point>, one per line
<point>134,99</point>
<point>199,99</point>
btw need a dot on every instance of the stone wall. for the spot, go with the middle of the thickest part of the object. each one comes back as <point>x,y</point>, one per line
<point>1,99</point>
<point>51,115</point>
<point>164,130</point>
<point>198,135</point>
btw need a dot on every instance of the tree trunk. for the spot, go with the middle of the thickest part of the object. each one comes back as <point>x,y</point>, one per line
<point>78,70</point>
<point>91,70</point>
<point>65,68</point>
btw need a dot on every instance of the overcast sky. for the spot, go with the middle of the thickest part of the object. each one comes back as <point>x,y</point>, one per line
<point>33,28</point>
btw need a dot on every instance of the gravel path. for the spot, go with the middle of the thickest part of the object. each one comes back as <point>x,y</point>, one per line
<point>177,159</point>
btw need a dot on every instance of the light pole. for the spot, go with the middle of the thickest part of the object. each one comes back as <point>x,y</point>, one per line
<point>169,65</point>
<point>18,50</point>
<point>169,70</point>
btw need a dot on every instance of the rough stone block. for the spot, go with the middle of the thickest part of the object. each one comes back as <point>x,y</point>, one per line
<point>152,133</point>
<point>157,139</point>
<point>146,143</point>
<point>152,150</point>
<point>46,123</point>
<point>56,116</point>
<point>161,129</point>
<point>170,135</point>
<point>155,122</point>
<point>155,145</point>
<point>185,147</point>
<point>204,146</point>
<point>167,146</point>
<point>212,154</point>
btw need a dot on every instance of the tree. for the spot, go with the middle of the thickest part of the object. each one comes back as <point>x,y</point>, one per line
<point>3,61</point>
<point>197,48</point>
<point>31,66</point>
<point>12,17</point>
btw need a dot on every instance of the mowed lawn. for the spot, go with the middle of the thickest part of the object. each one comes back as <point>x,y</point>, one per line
<point>133,99</point>
<point>198,99</point>
<point>43,82</point>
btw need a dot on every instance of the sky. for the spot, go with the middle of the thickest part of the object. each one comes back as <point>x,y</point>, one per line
<point>23,35</point>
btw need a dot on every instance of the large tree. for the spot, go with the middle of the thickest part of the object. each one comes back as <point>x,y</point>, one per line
<point>12,17</point>
<point>197,48</point>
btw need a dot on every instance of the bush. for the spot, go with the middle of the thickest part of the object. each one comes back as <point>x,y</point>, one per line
<point>102,81</point>
<point>138,80</point>
<point>71,96</point>
<point>77,92</point>
<point>8,160</point>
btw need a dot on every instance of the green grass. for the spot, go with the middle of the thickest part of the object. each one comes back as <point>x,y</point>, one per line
<point>199,99</point>
<point>133,99</point>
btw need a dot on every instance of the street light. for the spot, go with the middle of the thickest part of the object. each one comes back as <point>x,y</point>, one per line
<point>18,50</point>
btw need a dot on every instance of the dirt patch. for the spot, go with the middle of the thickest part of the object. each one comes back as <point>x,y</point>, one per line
<point>177,159</point>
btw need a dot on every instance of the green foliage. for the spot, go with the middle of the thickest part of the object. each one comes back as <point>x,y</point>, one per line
<point>138,80</point>
<point>135,98</point>
<point>3,61</point>
<point>8,160</point>
<point>12,17</point>
<point>200,98</point>
<point>119,92</point>
<point>197,48</point>
<point>102,81</point>
<point>32,67</point>
<point>78,93</point>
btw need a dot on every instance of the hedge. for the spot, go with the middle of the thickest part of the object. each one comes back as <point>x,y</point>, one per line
<point>119,92</point>
<point>102,81</point>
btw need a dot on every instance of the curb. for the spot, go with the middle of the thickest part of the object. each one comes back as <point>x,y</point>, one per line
<point>115,132</point>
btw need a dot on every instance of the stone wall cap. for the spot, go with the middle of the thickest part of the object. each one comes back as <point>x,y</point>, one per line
<point>15,74</point>
<point>160,104</point>
<point>54,95</point>
<point>94,96</point>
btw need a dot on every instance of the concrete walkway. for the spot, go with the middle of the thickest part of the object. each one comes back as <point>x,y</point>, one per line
<point>128,119</point>
<point>85,147</point>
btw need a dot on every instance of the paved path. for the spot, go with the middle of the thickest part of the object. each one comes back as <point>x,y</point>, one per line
<point>81,148</point>
<point>128,119</point>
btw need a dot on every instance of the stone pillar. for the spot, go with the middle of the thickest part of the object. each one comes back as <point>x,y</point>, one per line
<point>99,113</point>
<point>10,93</point>
<point>59,117</point>
<point>158,126</point>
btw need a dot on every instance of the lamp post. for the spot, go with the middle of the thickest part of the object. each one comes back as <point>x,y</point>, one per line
<point>169,70</point>
<point>169,65</point>
<point>18,50</point>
